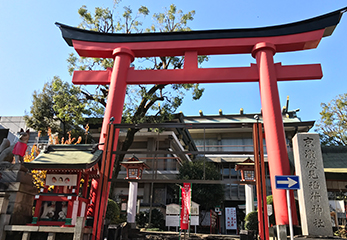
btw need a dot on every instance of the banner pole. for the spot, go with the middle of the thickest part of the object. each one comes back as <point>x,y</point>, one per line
<point>290,215</point>
<point>190,209</point>
<point>179,236</point>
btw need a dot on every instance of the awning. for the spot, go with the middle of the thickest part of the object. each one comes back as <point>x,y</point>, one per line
<point>335,170</point>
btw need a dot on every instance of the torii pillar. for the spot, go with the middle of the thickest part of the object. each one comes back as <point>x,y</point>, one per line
<point>273,124</point>
<point>117,90</point>
<point>262,43</point>
<point>122,59</point>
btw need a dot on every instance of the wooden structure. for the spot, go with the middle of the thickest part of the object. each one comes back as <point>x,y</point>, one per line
<point>69,169</point>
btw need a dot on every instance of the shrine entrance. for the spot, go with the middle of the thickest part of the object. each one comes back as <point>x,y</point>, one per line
<point>261,43</point>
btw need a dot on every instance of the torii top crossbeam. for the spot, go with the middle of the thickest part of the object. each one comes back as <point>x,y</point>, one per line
<point>288,37</point>
<point>262,43</point>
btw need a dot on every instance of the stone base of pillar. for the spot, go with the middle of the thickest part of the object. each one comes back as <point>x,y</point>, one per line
<point>132,225</point>
<point>281,232</point>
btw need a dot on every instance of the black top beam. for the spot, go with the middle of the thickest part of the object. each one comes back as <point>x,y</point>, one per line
<point>327,21</point>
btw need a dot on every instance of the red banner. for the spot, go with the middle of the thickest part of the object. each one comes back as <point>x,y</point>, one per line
<point>185,209</point>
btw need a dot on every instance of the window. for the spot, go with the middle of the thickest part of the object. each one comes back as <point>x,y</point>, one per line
<point>207,145</point>
<point>237,144</point>
<point>229,172</point>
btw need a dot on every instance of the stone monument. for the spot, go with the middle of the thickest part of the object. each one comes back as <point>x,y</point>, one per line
<point>313,198</point>
<point>17,184</point>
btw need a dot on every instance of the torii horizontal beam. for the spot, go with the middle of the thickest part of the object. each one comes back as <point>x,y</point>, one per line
<point>200,75</point>
<point>287,43</point>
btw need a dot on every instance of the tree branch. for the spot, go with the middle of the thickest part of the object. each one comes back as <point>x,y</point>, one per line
<point>89,96</point>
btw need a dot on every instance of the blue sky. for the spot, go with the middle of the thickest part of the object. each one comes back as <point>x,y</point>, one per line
<point>32,51</point>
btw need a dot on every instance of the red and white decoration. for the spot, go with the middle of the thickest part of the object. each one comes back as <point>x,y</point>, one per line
<point>230,218</point>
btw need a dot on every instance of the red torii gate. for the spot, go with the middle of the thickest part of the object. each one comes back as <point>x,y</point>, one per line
<point>262,43</point>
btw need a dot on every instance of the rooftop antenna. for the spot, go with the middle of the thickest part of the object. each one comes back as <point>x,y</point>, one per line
<point>287,104</point>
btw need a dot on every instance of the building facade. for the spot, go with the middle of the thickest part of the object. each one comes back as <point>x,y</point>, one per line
<point>223,139</point>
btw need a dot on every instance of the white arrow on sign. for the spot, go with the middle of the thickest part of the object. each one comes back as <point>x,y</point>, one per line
<point>289,181</point>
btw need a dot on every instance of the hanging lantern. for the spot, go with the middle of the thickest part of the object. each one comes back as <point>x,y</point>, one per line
<point>247,171</point>
<point>134,167</point>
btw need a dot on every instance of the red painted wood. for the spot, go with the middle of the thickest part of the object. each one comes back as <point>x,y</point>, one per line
<point>92,77</point>
<point>79,209</point>
<point>286,43</point>
<point>38,208</point>
<point>61,198</point>
<point>103,186</point>
<point>191,60</point>
<point>53,223</point>
<point>117,90</point>
<point>201,75</point>
<point>268,76</point>
<point>262,179</point>
<point>69,208</point>
<point>273,125</point>
<point>258,181</point>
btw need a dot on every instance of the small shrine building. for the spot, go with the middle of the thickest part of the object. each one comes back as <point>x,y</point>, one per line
<point>69,169</point>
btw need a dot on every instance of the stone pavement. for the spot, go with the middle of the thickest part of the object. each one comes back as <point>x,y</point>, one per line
<point>175,236</point>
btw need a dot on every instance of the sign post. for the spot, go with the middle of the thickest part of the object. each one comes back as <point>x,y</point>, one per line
<point>288,183</point>
<point>230,218</point>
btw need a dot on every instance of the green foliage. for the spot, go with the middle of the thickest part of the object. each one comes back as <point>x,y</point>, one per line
<point>140,100</point>
<point>332,127</point>
<point>112,212</point>
<point>269,199</point>
<point>60,107</point>
<point>172,20</point>
<point>67,105</point>
<point>207,195</point>
<point>251,220</point>
<point>341,232</point>
<point>42,113</point>
<point>157,219</point>
<point>142,219</point>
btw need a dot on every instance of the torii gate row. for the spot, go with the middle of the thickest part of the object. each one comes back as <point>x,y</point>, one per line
<point>262,43</point>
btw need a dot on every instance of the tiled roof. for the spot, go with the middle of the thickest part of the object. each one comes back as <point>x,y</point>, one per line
<point>290,117</point>
<point>80,156</point>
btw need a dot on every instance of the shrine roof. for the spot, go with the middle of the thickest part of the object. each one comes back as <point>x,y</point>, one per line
<point>81,156</point>
<point>290,119</point>
<point>327,22</point>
